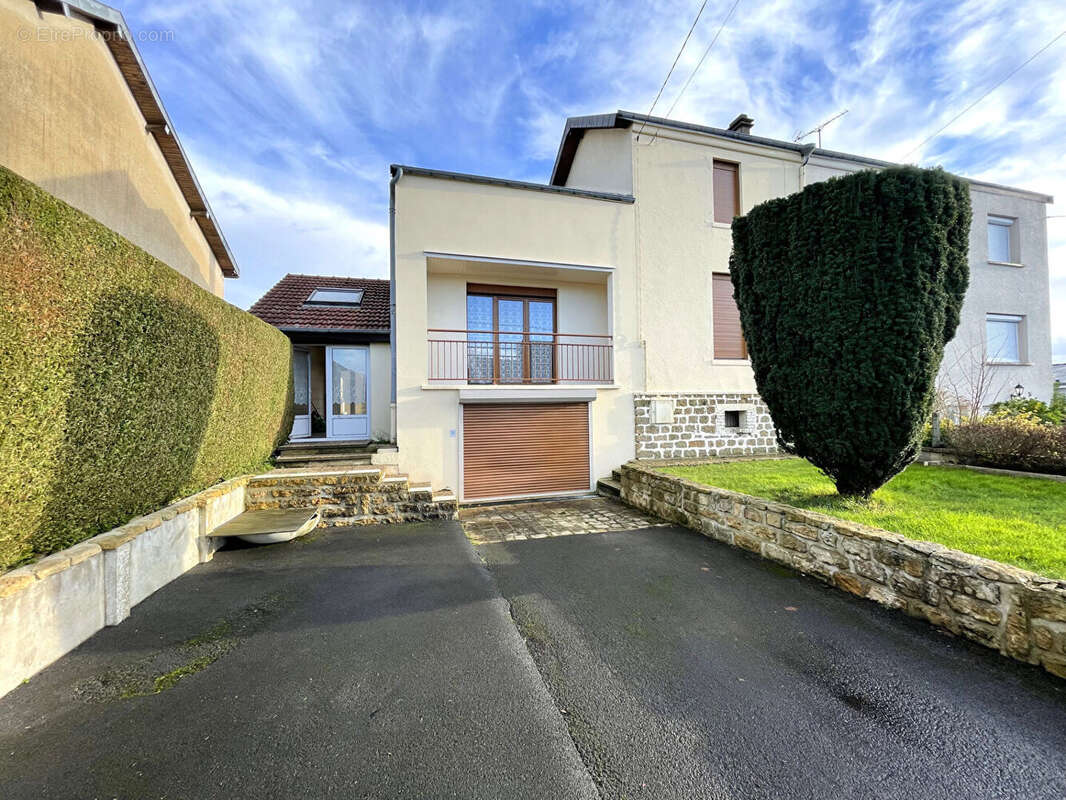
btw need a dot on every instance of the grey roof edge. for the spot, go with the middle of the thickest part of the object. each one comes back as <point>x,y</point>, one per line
<point>112,17</point>
<point>534,187</point>
<point>576,126</point>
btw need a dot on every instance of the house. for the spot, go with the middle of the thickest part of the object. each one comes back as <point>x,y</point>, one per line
<point>1058,374</point>
<point>546,333</point>
<point>339,328</point>
<point>83,121</point>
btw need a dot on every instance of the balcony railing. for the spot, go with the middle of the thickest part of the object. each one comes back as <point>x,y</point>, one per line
<point>519,357</point>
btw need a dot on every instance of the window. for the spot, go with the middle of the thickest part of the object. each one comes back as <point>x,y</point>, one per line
<point>511,334</point>
<point>1004,339</point>
<point>726,188</point>
<point>335,297</point>
<point>734,419</point>
<point>1001,240</point>
<point>726,330</point>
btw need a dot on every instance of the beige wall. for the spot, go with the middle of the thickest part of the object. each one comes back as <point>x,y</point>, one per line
<point>603,162</point>
<point>69,124</point>
<point>499,222</point>
<point>680,246</point>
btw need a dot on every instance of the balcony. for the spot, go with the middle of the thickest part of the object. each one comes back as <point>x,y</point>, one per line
<point>516,358</point>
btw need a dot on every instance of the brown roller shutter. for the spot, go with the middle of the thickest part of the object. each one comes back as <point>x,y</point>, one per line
<point>728,335</point>
<point>726,191</point>
<point>520,449</point>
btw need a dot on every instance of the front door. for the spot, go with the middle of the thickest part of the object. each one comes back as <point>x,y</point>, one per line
<point>348,385</point>
<point>301,394</point>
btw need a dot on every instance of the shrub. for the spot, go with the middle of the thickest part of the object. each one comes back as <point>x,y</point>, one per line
<point>123,385</point>
<point>848,291</point>
<point>1053,414</point>
<point>946,427</point>
<point>1012,441</point>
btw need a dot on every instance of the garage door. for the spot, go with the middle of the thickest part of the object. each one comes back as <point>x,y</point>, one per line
<point>525,448</point>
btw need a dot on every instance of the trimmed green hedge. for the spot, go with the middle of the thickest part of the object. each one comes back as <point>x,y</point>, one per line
<point>848,292</point>
<point>123,385</point>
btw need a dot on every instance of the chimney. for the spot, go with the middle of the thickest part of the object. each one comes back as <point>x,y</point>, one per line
<point>742,124</point>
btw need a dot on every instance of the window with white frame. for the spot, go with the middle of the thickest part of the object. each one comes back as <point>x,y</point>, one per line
<point>1002,244</point>
<point>1004,338</point>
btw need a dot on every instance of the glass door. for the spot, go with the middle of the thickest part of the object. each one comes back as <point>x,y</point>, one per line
<point>301,394</point>
<point>348,384</point>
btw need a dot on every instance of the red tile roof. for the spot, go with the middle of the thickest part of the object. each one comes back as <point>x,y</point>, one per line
<point>283,306</point>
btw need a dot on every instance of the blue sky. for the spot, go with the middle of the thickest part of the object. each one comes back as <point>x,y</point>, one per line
<point>292,111</point>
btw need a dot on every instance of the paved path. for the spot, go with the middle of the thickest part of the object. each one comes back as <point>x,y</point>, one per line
<point>366,663</point>
<point>510,522</point>
<point>690,670</point>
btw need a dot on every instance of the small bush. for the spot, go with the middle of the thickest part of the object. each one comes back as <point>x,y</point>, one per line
<point>123,385</point>
<point>1053,414</point>
<point>946,427</point>
<point>1012,441</point>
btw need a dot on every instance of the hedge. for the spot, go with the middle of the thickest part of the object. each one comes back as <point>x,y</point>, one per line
<point>123,385</point>
<point>848,292</point>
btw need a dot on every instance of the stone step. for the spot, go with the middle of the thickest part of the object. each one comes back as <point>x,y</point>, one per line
<point>312,459</point>
<point>327,446</point>
<point>608,487</point>
<point>616,474</point>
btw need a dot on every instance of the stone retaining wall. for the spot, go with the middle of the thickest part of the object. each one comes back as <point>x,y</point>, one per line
<point>1018,613</point>
<point>50,607</point>
<point>696,425</point>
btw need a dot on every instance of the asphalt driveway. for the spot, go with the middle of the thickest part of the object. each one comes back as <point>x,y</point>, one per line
<point>690,669</point>
<point>383,662</point>
<point>372,662</point>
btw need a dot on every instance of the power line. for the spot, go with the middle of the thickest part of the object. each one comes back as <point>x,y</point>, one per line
<point>703,57</point>
<point>1009,75</point>
<point>678,56</point>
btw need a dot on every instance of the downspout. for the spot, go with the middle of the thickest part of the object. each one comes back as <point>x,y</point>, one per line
<point>808,150</point>
<point>396,175</point>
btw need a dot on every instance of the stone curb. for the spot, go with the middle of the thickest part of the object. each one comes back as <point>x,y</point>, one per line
<point>1017,612</point>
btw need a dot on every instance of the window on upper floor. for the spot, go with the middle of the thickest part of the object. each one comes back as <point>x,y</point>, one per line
<point>1002,240</point>
<point>1004,338</point>
<point>726,190</point>
<point>727,333</point>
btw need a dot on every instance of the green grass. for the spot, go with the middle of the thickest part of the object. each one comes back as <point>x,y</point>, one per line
<point>1020,521</point>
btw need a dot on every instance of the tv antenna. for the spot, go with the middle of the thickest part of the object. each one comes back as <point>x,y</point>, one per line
<point>818,129</point>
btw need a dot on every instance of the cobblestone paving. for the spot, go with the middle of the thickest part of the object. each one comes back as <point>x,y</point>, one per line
<point>540,519</point>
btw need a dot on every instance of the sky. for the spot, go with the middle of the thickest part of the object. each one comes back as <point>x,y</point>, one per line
<point>291,112</point>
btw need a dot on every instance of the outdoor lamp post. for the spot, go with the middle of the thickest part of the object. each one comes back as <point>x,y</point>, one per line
<point>1018,393</point>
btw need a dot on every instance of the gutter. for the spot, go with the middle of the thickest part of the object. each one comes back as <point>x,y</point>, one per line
<point>511,184</point>
<point>397,173</point>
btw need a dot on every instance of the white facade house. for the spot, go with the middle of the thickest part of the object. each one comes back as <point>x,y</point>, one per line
<point>546,333</point>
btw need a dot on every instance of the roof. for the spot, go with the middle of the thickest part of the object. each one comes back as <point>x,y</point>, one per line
<point>284,306</point>
<point>395,169</point>
<point>119,41</point>
<point>576,126</point>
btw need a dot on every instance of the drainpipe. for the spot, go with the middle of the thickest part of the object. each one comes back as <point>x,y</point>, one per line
<point>397,173</point>
<point>808,149</point>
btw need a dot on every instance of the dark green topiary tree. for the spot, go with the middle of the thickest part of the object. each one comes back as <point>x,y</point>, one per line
<point>848,292</point>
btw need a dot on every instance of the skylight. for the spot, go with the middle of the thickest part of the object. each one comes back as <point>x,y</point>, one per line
<point>335,297</point>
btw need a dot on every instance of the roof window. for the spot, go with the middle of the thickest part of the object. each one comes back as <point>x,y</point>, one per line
<point>325,296</point>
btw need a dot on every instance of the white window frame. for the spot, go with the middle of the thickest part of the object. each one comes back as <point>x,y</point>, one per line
<point>1011,224</point>
<point>335,296</point>
<point>1019,321</point>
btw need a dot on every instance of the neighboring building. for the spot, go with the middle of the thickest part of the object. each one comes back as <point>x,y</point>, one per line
<point>545,334</point>
<point>1058,374</point>
<point>82,120</point>
<point>339,329</point>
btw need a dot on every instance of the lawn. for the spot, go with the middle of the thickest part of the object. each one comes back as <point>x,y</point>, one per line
<point>1020,521</point>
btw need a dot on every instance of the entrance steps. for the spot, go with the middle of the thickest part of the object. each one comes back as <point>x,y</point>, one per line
<point>610,487</point>
<point>366,495</point>
<point>325,453</point>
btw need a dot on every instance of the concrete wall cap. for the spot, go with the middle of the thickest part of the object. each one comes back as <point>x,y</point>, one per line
<point>50,565</point>
<point>81,552</point>
<point>112,540</point>
<point>15,581</point>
